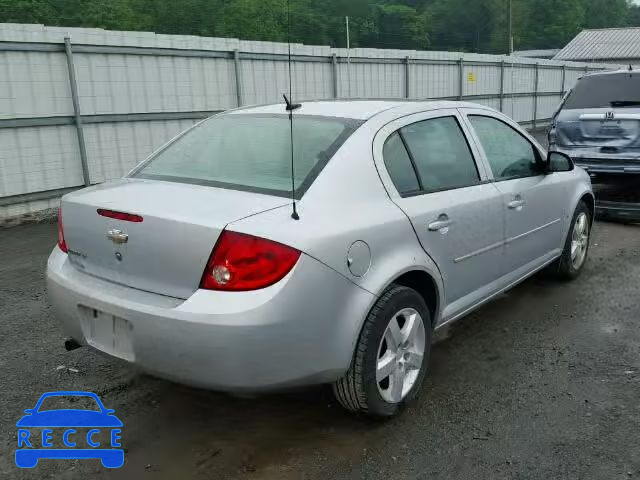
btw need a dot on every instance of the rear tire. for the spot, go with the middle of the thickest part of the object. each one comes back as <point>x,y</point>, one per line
<point>576,246</point>
<point>391,356</point>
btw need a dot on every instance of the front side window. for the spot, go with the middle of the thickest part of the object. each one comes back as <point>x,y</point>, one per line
<point>441,154</point>
<point>510,155</point>
<point>251,152</point>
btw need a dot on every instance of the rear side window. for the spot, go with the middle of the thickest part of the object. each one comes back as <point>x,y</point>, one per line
<point>398,164</point>
<point>251,152</point>
<point>605,91</point>
<point>510,155</point>
<point>441,154</point>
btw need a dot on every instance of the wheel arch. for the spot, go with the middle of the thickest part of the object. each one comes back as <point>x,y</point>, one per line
<point>578,196</point>
<point>589,200</point>
<point>426,285</point>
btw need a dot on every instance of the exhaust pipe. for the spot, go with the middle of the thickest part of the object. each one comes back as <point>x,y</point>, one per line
<point>71,344</point>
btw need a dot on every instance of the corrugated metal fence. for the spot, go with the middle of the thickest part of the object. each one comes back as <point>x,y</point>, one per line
<point>81,106</point>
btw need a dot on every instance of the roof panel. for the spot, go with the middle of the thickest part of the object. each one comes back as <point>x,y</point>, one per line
<point>606,43</point>
<point>356,109</point>
<point>361,110</point>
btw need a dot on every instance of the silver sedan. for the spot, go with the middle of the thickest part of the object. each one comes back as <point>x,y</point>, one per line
<point>408,215</point>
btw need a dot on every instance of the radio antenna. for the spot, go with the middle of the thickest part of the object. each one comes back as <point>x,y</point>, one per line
<point>290,108</point>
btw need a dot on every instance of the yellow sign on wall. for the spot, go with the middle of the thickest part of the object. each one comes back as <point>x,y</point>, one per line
<point>471,77</point>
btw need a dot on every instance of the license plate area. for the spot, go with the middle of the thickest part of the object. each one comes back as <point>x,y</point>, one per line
<point>108,333</point>
<point>611,129</point>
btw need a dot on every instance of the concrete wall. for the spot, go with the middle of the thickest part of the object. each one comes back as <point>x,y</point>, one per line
<point>136,90</point>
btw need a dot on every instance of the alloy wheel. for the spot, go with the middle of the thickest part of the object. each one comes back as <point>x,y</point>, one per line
<point>579,241</point>
<point>400,355</point>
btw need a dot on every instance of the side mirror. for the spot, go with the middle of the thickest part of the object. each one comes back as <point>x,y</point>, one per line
<point>559,162</point>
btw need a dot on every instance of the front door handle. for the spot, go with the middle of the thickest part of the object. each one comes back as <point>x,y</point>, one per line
<point>441,224</point>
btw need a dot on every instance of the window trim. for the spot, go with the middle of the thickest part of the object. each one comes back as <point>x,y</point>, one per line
<point>411,158</point>
<point>422,190</point>
<point>536,151</point>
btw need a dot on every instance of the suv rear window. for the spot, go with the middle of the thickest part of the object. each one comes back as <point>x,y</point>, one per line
<point>251,152</point>
<point>605,91</point>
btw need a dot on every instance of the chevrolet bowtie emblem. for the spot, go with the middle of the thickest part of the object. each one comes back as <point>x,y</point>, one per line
<point>117,236</point>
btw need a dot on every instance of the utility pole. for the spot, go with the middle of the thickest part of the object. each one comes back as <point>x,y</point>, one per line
<point>510,27</point>
<point>510,39</point>
<point>348,58</point>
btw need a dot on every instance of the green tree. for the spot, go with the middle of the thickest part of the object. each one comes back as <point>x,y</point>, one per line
<point>607,13</point>
<point>461,24</point>
<point>26,11</point>
<point>186,17</point>
<point>634,16</point>
<point>254,20</point>
<point>546,30</point>
<point>467,25</point>
<point>398,26</point>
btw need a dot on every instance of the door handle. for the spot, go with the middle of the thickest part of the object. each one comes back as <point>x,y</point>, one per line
<point>440,224</point>
<point>517,203</point>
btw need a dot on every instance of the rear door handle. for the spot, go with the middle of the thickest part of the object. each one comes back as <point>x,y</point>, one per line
<point>440,224</point>
<point>517,203</point>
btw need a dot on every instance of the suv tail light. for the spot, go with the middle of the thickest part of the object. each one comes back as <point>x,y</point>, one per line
<point>61,241</point>
<point>241,262</point>
<point>551,136</point>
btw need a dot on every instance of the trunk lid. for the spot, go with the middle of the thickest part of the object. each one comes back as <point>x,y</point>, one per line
<point>601,113</point>
<point>610,129</point>
<point>167,252</point>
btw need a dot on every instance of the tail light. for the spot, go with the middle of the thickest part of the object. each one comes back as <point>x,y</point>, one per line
<point>241,262</point>
<point>551,136</point>
<point>61,241</point>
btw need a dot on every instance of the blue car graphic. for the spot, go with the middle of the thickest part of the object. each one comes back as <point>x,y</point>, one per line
<point>68,418</point>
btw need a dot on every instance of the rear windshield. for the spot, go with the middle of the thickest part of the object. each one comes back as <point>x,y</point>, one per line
<point>75,402</point>
<point>604,91</point>
<point>251,152</point>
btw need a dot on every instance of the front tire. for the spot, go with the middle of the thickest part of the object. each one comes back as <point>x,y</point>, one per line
<point>576,247</point>
<point>391,357</point>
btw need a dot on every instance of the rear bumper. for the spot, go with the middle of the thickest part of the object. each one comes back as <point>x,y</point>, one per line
<point>596,167</point>
<point>618,197</point>
<point>629,212</point>
<point>601,163</point>
<point>300,331</point>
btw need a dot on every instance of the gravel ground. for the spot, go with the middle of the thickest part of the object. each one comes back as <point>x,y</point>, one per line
<point>541,383</point>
